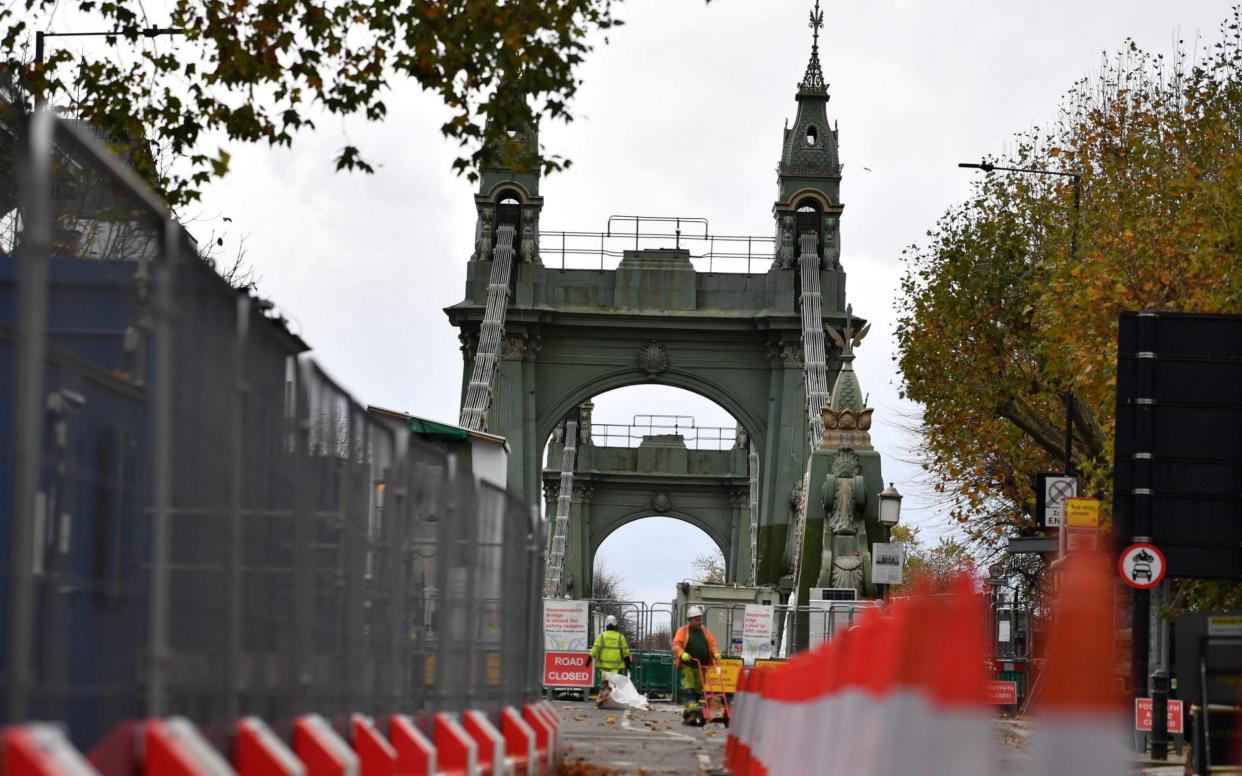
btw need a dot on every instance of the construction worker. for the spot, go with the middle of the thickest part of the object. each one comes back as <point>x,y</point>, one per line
<point>611,651</point>
<point>693,642</point>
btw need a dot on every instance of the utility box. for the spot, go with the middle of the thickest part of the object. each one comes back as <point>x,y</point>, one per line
<point>724,608</point>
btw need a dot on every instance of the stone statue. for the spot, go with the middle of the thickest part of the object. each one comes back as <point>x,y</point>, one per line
<point>483,246</point>
<point>530,235</point>
<point>844,563</point>
<point>785,258</point>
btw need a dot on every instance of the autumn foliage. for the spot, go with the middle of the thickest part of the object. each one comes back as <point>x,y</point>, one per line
<point>999,319</point>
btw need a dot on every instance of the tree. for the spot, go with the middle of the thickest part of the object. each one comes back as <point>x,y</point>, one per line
<point>262,70</point>
<point>939,564</point>
<point>608,594</point>
<point>709,567</point>
<point>997,323</point>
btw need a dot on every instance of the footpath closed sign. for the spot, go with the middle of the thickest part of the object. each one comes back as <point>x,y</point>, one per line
<point>1003,693</point>
<point>567,669</point>
<point>1142,715</point>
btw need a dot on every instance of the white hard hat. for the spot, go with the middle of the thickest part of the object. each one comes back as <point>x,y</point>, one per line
<point>694,611</point>
<point>610,620</point>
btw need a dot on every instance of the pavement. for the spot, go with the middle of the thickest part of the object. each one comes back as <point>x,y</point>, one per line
<point>603,742</point>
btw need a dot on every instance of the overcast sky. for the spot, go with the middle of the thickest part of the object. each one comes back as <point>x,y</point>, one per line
<point>679,114</point>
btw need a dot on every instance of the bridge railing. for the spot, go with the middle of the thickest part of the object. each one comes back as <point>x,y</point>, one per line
<point>708,252</point>
<point>696,437</point>
<point>196,518</point>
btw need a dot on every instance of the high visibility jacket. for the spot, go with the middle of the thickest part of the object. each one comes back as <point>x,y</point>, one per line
<point>683,637</point>
<point>610,651</point>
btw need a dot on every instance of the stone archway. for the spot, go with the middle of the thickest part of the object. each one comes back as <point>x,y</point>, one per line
<point>614,486</point>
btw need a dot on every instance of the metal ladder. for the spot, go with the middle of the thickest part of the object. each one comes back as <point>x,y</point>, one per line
<point>753,463</point>
<point>560,525</point>
<point>491,335</point>
<point>814,360</point>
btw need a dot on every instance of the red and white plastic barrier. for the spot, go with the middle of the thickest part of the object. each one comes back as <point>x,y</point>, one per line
<point>456,752</point>
<point>376,757</point>
<point>906,692</point>
<point>893,695</point>
<point>174,747</point>
<point>416,755</point>
<point>520,745</point>
<point>257,751</point>
<point>1082,722</point>
<point>40,749</point>
<point>321,749</point>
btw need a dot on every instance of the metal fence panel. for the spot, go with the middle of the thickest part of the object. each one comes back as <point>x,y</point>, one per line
<point>203,522</point>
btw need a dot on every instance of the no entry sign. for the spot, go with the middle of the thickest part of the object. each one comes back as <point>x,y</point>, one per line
<point>1142,566</point>
<point>567,669</point>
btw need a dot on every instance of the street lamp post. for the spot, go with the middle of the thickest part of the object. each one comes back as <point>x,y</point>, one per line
<point>1076,177</point>
<point>41,36</point>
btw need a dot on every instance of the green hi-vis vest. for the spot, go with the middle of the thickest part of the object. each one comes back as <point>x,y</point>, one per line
<point>610,651</point>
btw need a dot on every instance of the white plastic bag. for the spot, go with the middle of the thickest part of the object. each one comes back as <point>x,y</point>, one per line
<point>621,694</point>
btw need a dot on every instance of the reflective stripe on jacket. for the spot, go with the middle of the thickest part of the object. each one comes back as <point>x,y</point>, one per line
<point>610,650</point>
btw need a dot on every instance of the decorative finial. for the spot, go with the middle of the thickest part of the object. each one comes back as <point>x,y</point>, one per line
<point>813,81</point>
<point>817,21</point>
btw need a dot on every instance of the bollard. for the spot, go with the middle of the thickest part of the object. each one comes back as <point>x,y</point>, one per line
<point>1160,738</point>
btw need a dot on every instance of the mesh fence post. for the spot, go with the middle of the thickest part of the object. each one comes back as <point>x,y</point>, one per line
<point>31,350</point>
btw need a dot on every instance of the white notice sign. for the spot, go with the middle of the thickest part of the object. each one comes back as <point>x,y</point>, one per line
<point>756,633</point>
<point>564,624</point>
<point>887,561</point>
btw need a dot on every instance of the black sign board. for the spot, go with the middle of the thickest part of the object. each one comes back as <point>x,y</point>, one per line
<point>1178,465</point>
<point>1209,677</point>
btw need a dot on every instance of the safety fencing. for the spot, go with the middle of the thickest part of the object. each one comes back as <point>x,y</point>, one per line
<point>900,693</point>
<point>202,530</point>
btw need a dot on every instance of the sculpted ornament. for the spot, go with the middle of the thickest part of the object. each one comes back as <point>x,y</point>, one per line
<point>843,562</point>
<point>660,502</point>
<point>652,358</point>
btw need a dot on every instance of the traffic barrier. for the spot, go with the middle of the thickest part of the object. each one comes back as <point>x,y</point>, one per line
<point>40,749</point>
<point>321,750</point>
<point>1082,716</point>
<point>456,752</point>
<point>416,756</point>
<point>491,744</point>
<point>838,704</point>
<point>257,751</point>
<point>174,747</point>
<point>520,753</point>
<point>544,734</point>
<point>554,744</point>
<point>376,757</point>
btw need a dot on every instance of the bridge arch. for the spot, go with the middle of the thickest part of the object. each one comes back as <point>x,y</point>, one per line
<point>749,417</point>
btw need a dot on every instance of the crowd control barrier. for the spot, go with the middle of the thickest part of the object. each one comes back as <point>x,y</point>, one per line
<point>899,693</point>
<point>205,541</point>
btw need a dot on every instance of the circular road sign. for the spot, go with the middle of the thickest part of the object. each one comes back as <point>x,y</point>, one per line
<point>1142,565</point>
<point>996,571</point>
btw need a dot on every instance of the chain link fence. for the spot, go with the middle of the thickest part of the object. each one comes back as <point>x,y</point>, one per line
<point>196,518</point>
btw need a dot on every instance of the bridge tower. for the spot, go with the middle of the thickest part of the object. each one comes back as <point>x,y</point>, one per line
<point>542,335</point>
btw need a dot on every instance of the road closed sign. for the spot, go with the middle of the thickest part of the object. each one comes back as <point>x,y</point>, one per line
<point>567,669</point>
<point>1142,566</point>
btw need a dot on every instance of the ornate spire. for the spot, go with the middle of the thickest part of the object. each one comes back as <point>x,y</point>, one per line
<point>847,418</point>
<point>813,80</point>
